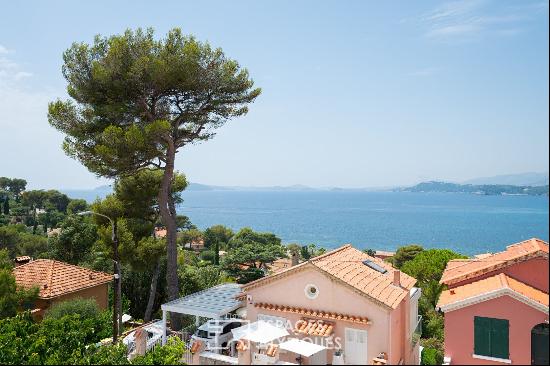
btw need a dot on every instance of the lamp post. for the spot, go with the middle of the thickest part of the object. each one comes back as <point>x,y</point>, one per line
<point>117,304</point>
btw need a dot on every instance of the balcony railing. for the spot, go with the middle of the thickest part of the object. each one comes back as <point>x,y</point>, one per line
<point>417,332</point>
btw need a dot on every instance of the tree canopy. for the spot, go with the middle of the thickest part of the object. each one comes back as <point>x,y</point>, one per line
<point>137,100</point>
<point>249,252</point>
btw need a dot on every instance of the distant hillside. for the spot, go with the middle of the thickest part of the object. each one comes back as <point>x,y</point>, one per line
<point>484,189</point>
<point>524,179</point>
<point>89,195</point>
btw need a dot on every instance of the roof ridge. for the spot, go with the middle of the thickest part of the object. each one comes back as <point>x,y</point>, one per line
<point>332,252</point>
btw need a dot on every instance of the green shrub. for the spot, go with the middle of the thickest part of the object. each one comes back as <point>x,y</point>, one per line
<point>208,255</point>
<point>106,355</point>
<point>53,341</point>
<point>86,308</point>
<point>431,356</point>
<point>169,354</point>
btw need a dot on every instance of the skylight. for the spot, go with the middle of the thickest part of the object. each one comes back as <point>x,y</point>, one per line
<point>374,266</point>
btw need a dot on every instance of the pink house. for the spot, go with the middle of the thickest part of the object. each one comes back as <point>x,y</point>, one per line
<point>496,307</point>
<point>361,309</point>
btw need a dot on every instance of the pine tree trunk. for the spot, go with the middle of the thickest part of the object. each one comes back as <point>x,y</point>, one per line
<point>152,292</point>
<point>169,221</point>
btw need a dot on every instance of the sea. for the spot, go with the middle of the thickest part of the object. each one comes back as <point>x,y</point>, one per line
<point>465,223</point>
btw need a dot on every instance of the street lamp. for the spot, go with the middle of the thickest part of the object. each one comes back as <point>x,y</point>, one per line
<point>117,303</point>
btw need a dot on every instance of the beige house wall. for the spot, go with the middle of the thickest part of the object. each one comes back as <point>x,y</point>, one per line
<point>387,328</point>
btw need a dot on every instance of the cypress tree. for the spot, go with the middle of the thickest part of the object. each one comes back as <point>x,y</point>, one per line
<point>7,206</point>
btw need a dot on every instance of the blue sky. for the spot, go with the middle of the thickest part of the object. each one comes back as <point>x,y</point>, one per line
<point>355,93</point>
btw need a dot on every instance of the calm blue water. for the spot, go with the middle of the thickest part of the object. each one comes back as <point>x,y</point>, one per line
<point>465,223</point>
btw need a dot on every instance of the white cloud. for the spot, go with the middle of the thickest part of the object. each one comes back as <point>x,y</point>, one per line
<point>4,50</point>
<point>10,71</point>
<point>470,19</point>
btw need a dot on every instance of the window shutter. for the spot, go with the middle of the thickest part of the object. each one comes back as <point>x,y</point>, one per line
<point>482,336</point>
<point>499,338</point>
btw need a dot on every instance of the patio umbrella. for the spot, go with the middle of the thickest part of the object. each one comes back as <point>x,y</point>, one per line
<point>300,347</point>
<point>259,332</point>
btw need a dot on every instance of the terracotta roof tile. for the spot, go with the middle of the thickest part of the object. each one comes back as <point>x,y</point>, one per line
<point>56,278</point>
<point>491,284</point>
<point>346,265</point>
<point>462,269</point>
<point>313,313</point>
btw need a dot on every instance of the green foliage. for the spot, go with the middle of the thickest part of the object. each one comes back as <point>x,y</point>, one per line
<point>75,241</point>
<point>53,341</point>
<point>12,297</point>
<point>8,296</point>
<point>433,325</point>
<point>189,236</point>
<point>208,256</point>
<point>136,284</point>
<point>428,265</point>
<point>184,223</point>
<point>169,354</point>
<point>217,234</point>
<point>137,100</point>
<point>106,355</point>
<point>249,252</point>
<point>194,279</point>
<point>431,356</point>
<point>5,260</point>
<point>6,206</point>
<point>9,236</point>
<point>35,246</point>
<point>216,238</point>
<point>370,252</point>
<point>77,205</point>
<point>310,251</point>
<point>86,308</point>
<point>127,88</point>
<point>405,254</point>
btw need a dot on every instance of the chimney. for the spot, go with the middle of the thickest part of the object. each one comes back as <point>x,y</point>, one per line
<point>397,277</point>
<point>294,259</point>
<point>19,261</point>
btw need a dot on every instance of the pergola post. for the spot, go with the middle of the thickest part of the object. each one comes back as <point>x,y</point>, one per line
<point>163,327</point>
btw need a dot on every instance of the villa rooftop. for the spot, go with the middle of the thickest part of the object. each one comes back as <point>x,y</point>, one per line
<point>462,269</point>
<point>492,287</point>
<point>345,264</point>
<point>55,278</point>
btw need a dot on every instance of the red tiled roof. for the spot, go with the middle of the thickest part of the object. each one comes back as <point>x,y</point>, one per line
<point>313,313</point>
<point>487,286</point>
<point>314,327</point>
<point>346,265</point>
<point>462,269</point>
<point>56,278</point>
<point>160,232</point>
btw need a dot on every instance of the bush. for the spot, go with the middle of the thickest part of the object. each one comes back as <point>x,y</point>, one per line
<point>106,355</point>
<point>208,255</point>
<point>53,341</point>
<point>405,254</point>
<point>431,356</point>
<point>86,308</point>
<point>428,265</point>
<point>169,354</point>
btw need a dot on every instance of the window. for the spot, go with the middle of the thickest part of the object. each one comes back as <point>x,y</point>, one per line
<point>311,291</point>
<point>491,337</point>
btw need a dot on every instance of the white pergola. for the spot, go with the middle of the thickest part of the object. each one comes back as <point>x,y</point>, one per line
<point>212,303</point>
